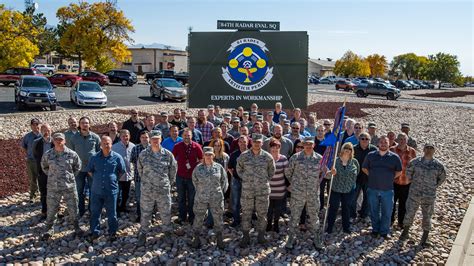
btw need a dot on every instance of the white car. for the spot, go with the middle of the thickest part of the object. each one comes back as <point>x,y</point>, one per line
<point>88,93</point>
<point>45,68</point>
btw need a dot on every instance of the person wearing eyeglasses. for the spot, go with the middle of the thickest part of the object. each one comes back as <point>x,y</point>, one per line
<point>358,129</point>
<point>295,132</point>
<point>360,152</point>
<point>134,125</point>
<point>327,126</point>
<point>312,125</point>
<point>344,176</point>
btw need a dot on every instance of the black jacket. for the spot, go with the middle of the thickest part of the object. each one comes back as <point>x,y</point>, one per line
<point>38,153</point>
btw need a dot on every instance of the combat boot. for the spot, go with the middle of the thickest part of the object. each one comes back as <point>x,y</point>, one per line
<point>196,241</point>
<point>424,239</point>
<point>404,235</point>
<point>317,242</point>
<point>219,240</point>
<point>261,237</point>
<point>290,241</point>
<point>245,241</point>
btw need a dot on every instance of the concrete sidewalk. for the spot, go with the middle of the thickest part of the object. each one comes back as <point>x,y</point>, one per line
<point>462,252</point>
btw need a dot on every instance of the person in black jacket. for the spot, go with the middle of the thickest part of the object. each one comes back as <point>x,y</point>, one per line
<point>41,146</point>
<point>134,125</point>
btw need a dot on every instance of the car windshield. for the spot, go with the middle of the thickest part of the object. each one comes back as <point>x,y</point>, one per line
<point>89,87</point>
<point>171,83</point>
<point>37,83</point>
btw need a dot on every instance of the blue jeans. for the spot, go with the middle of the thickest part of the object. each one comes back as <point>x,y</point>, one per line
<point>109,201</point>
<point>364,209</point>
<point>138,193</point>
<point>186,193</point>
<point>381,205</point>
<point>81,180</point>
<point>236,195</point>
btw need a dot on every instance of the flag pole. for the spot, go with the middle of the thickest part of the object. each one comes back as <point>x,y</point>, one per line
<point>330,181</point>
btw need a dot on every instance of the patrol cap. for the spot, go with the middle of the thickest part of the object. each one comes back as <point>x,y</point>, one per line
<point>270,113</point>
<point>226,115</point>
<point>164,114</point>
<point>35,121</point>
<point>246,113</point>
<point>155,134</point>
<point>235,119</point>
<point>259,117</point>
<point>405,125</point>
<point>283,117</point>
<point>59,135</point>
<point>210,106</point>
<point>429,145</point>
<point>208,150</point>
<point>372,125</point>
<point>257,137</point>
<point>286,122</point>
<point>253,113</point>
<point>308,139</point>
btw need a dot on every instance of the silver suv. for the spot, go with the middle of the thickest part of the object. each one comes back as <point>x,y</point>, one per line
<point>45,68</point>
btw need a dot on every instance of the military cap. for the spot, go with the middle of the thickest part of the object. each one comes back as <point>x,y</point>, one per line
<point>246,113</point>
<point>59,135</point>
<point>155,134</point>
<point>210,106</point>
<point>257,137</point>
<point>308,139</point>
<point>253,113</point>
<point>405,125</point>
<point>259,117</point>
<point>226,115</point>
<point>287,122</point>
<point>235,119</point>
<point>35,121</point>
<point>372,125</point>
<point>270,113</point>
<point>208,150</point>
<point>429,145</point>
<point>283,117</point>
<point>164,114</point>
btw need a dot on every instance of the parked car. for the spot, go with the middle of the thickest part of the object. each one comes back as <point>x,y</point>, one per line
<point>447,85</point>
<point>64,79</point>
<point>345,85</point>
<point>378,88</point>
<point>124,77</point>
<point>325,81</point>
<point>401,84</point>
<point>364,83</point>
<point>413,84</point>
<point>63,68</point>
<point>100,78</point>
<point>45,68</point>
<point>12,75</point>
<point>421,84</point>
<point>166,88</point>
<point>74,68</point>
<point>180,77</point>
<point>35,91</point>
<point>88,93</point>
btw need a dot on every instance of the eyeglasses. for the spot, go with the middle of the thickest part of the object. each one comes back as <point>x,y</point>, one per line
<point>295,128</point>
<point>134,113</point>
<point>327,124</point>
<point>299,146</point>
<point>357,128</point>
<point>364,139</point>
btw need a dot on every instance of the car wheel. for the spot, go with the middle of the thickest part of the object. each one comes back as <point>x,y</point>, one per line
<point>360,94</point>
<point>152,94</point>
<point>390,96</point>
<point>124,83</point>
<point>337,88</point>
<point>53,107</point>
<point>68,83</point>
<point>162,96</point>
<point>50,72</point>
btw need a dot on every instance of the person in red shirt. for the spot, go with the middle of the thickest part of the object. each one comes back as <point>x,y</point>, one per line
<point>188,154</point>
<point>401,185</point>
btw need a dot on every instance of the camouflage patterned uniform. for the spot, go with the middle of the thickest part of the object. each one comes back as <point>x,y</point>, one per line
<point>164,128</point>
<point>303,174</point>
<point>210,183</point>
<point>426,176</point>
<point>158,173</point>
<point>255,171</point>
<point>61,168</point>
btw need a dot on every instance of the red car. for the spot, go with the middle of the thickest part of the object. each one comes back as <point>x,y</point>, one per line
<point>64,79</point>
<point>13,75</point>
<point>94,76</point>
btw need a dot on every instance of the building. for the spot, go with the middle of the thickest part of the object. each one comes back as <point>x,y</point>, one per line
<point>155,57</point>
<point>321,68</point>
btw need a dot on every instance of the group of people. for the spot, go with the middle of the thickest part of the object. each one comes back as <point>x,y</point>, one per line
<point>255,164</point>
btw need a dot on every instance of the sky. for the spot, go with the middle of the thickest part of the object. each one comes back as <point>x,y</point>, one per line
<point>365,27</point>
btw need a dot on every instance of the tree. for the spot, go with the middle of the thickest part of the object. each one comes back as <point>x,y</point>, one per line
<point>47,37</point>
<point>91,32</point>
<point>410,65</point>
<point>444,68</point>
<point>16,46</point>
<point>378,65</point>
<point>351,65</point>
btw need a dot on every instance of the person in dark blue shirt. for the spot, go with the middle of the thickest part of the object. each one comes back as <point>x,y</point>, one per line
<point>105,167</point>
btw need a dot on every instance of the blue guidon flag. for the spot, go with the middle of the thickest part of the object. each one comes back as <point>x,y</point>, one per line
<point>331,139</point>
<point>247,65</point>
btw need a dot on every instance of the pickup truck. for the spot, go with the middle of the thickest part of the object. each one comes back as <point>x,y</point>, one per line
<point>378,88</point>
<point>12,75</point>
<point>180,77</point>
<point>33,91</point>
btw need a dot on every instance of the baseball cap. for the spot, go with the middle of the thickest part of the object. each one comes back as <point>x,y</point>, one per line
<point>59,135</point>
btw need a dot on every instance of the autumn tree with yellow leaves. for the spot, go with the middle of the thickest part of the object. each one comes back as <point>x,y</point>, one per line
<point>17,42</point>
<point>378,65</point>
<point>95,33</point>
<point>352,65</point>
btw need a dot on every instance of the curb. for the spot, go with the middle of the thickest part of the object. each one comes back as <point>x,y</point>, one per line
<point>459,252</point>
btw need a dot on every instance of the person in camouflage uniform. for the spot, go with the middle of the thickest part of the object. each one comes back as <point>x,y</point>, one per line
<point>303,174</point>
<point>61,165</point>
<point>426,174</point>
<point>157,169</point>
<point>210,180</point>
<point>164,126</point>
<point>256,168</point>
